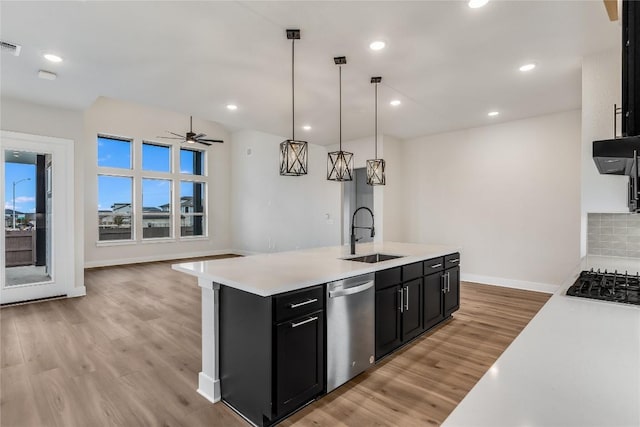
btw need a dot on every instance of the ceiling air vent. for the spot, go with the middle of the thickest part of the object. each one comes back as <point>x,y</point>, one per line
<point>11,48</point>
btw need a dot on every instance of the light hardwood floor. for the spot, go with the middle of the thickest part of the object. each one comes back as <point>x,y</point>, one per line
<point>128,354</point>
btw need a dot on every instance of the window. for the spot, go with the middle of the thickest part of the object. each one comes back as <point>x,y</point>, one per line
<point>192,215</point>
<point>156,208</point>
<point>144,196</point>
<point>114,152</point>
<point>114,207</point>
<point>191,162</point>
<point>156,158</point>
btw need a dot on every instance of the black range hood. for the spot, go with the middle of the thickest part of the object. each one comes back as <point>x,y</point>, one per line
<point>621,156</point>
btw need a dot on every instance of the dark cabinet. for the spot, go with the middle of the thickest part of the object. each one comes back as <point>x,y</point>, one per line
<point>388,326</point>
<point>272,352</point>
<point>433,299</point>
<point>451,290</point>
<point>411,309</point>
<point>398,307</point>
<point>299,354</point>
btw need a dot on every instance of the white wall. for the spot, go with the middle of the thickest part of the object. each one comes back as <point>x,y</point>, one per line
<point>120,118</point>
<point>273,213</point>
<point>26,117</point>
<point>508,194</point>
<point>601,89</point>
<point>387,199</point>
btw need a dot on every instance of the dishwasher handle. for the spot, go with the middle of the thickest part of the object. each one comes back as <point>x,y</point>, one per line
<point>352,290</point>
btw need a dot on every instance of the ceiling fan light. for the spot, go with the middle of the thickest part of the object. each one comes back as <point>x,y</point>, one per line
<point>293,158</point>
<point>340,166</point>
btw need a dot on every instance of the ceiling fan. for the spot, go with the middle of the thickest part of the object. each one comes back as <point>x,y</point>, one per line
<point>191,137</point>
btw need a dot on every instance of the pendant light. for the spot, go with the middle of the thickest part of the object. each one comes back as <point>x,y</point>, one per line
<point>340,163</point>
<point>375,167</point>
<point>293,153</point>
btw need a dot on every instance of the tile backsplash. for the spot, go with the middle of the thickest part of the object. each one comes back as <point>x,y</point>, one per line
<point>613,234</point>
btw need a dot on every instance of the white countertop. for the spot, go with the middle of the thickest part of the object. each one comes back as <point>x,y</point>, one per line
<point>274,273</point>
<point>577,363</point>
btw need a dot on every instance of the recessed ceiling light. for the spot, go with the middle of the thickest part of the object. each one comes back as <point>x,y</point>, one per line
<point>306,127</point>
<point>232,107</point>
<point>51,57</point>
<point>395,102</point>
<point>527,67</point>
<point>377,45</point>
<point>493,113</point>
<point>474,4</point>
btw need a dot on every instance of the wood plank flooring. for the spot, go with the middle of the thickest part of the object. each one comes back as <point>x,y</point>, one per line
<point>128,354</point>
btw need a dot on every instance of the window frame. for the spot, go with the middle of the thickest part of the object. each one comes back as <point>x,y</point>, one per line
<point>175,177</point>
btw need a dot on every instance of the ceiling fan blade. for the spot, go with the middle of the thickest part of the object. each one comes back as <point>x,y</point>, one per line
<point>199,141</point>
<point>198,136</point>
<point>219,141</point>
<point>176,134</point>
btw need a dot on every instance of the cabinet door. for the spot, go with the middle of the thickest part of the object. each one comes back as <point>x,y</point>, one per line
<point>388,332</point>
<point>299,362</point>
<point>432,302</point>
<point>412,310</point>
<point>452,296</point>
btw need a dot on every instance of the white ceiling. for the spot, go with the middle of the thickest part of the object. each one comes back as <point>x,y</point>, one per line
<point>447,63</point>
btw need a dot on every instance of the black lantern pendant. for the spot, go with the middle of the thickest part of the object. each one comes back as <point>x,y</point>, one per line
<point>340,163</point>
<point>293,153</point>
<point>375,167</point>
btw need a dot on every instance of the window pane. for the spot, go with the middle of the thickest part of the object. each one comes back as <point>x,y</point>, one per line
<point>192,200</point>
<point>156,208</point>
<point>114,208</point>
<point>114,153</point>
<point>192,197</point>
<point>192,225</point>
<point>191,162</point>
<point>156,157</point>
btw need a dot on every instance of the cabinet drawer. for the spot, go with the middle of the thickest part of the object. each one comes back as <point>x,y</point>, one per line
<point>452,260</point>
<point>433,265</point>
<point>298,303</point>
<point>411,271</point>
<point>386,278</point>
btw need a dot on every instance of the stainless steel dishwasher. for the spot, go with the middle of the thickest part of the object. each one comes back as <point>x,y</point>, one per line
<point>350,328</point>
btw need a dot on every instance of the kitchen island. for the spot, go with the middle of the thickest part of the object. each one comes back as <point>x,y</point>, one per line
<point>576,364</point>
<point>426,275</point>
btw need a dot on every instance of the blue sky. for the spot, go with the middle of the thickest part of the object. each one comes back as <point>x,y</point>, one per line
<point>25,191</point>
<point>114,153</point>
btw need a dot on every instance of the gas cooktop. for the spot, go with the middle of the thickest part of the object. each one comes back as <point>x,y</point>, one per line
<point>617,287</point>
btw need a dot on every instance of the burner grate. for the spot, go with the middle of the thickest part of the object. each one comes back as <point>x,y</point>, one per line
<point>617,287</point>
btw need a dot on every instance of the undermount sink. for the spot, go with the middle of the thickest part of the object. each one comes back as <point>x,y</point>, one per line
<point>373,258</point>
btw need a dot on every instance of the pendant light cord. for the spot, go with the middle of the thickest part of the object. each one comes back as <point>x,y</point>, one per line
<point>293,93</point>
<point>376,135</point>
<point>340,95</point>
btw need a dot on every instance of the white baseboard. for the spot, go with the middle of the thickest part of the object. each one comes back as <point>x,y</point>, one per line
<point>510,283</point>
<point>152,258</point>
<point>208,387</point>
<point>78,291</point>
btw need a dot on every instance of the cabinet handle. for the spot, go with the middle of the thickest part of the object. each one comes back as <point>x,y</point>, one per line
<point>455,260</point>
<point>401,301</point>
<point>300,304</point>
<point>406,302</point>
<point>448,282</point>
<point>436,265</point>
<point>312,319</point>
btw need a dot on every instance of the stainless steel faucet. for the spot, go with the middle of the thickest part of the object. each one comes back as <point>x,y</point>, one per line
<point>353,228</point>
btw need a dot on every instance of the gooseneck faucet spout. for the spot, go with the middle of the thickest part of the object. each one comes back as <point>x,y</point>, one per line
<point>353,228</point>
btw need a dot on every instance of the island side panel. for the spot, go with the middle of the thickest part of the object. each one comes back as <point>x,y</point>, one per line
<point>209,377</point>
<point>245,356</point>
